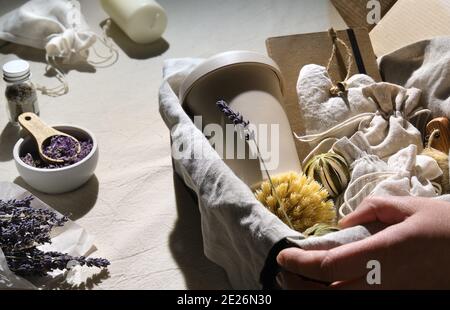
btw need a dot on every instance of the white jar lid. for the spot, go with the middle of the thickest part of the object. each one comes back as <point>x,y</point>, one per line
<point>16,70</point>
<point>225,60</point>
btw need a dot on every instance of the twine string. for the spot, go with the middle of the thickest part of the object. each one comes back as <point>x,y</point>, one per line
<point>341,87</point>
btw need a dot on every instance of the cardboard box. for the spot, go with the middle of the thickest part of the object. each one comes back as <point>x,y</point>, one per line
<point>410,21</point>
<point>354,12</point>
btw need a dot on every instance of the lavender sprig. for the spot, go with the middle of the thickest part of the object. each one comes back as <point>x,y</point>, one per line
<point>23,228</point>
<point>235,117</point>
<point>34,262</point>
<point>238,120</point>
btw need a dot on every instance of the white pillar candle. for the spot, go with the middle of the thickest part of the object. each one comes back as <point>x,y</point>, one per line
<point>144,21</point>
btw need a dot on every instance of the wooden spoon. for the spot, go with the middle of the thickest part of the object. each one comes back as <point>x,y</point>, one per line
<point>42,133</point>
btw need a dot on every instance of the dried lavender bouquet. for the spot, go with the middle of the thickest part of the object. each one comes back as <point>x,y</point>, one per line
<point>24,228</point>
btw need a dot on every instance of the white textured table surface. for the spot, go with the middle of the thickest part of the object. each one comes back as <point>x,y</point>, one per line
<point>142,219</point>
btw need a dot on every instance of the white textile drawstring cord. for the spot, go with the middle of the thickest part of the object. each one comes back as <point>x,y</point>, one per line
<point>62,88</point>
<point>354,121</point>
<point>107,42</point>
<point>328,136</point>
<point>370,181</point>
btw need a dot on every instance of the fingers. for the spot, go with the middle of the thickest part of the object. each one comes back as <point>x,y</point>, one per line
<point>359,284</point>
<point>347,262</point>
<point>290,281</point>
<point>297,261</point>
<point>387,210</point>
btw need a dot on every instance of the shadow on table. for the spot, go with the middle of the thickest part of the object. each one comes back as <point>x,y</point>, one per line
<point>186,244</point>
<point>60,283</point>
<point>23,52</point>
<point>74,204</point>
<point>135,50</point>
<point>8,138</point>
<point>38,55</point>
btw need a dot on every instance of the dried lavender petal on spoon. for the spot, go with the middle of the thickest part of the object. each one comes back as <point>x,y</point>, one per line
<point>61,148</point>
<point>56,150</point>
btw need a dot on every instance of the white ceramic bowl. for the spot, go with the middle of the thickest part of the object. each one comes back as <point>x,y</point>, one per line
<point>59,180</point>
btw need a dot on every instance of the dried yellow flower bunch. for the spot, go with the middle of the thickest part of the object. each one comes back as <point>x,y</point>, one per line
<point>304,201</point>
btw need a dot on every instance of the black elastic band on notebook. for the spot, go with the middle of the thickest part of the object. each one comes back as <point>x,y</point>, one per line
<point>356,51</point>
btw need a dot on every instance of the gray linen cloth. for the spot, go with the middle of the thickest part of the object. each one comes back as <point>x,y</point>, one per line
<point>424,65</point>
<point>238,232</point>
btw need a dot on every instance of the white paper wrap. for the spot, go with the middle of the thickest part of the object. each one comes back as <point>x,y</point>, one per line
<point>71,239</point>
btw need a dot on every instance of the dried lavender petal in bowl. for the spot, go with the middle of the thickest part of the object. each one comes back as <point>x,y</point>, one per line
<point>60,147</point>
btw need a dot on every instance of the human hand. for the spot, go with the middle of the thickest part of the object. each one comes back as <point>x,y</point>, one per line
<point>413,251</point>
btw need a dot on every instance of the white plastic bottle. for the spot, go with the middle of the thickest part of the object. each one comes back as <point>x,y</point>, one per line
<point>144,21</point>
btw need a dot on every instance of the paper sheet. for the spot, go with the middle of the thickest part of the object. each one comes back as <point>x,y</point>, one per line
<point>71,239</point>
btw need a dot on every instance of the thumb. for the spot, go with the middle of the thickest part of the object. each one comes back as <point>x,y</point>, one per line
<point>387,210</point>
<point>346,262</point>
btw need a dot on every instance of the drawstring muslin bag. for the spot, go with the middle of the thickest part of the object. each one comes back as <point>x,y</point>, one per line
<point>382,152</point>
<point>374,127</point>
<point>406,173</point>
<point>382,116</point>
<point>335,110</point>
<point>325,104</point>
<point>58,27</point>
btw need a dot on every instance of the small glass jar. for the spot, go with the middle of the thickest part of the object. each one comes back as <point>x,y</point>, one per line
<point>20,91</point>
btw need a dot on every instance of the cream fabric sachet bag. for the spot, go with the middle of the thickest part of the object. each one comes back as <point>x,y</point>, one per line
<point>382,150</point>
<point>322,111</point>
<point>405,173</point>
<point>384,115</point>
<point>58,27</point>
<point>383,126</point>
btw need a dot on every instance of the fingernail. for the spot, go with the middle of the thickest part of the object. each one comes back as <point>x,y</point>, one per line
<point>280,259</point>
